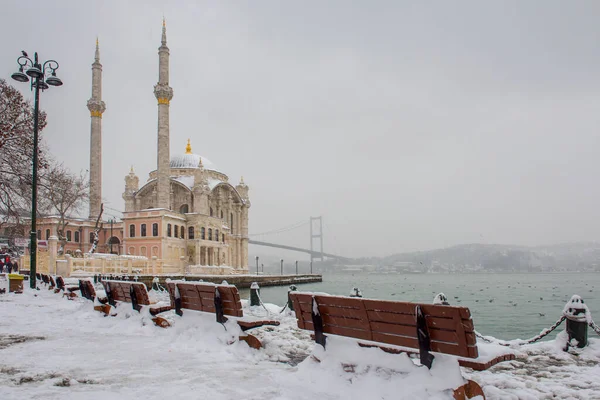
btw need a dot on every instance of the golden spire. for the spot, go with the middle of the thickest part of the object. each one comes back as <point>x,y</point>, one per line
<point>131,170</point>
<point>188,148</point>
<point>164,21</point>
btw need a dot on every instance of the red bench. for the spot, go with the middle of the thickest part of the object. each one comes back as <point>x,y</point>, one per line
<point>136,294</point>
<point>410,327</point>
<point>222,300</point>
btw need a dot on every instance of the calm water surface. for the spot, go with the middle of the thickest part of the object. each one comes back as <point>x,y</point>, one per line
<point>507,306</point>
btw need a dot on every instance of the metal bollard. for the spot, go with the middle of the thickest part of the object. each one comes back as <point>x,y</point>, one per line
<point>95,278</point>
<point>441,299</point>
<point>576,313</point>
<point>254,294</point>
<point>290,304</point>
<point>355,292</point>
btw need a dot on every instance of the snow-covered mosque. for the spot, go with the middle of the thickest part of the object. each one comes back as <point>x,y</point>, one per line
<point>187,209</point>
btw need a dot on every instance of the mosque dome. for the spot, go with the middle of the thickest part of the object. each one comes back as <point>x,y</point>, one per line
<point>190,160</point>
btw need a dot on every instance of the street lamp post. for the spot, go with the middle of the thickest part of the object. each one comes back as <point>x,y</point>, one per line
<point>40,76</point>
<point>256,265</point>
<point>296,267</point>
<point>282,266</point>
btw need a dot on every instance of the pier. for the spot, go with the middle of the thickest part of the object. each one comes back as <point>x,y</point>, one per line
<point>241,281</point>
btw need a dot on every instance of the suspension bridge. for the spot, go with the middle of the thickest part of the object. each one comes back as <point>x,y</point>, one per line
<point>316,235</point>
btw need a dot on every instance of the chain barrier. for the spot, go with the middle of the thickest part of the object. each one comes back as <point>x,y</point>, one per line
<point>262,304</point>
<point>595,327</point>
<point>534,339</point>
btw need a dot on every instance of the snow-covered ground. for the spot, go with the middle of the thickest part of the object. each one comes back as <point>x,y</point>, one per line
<point>52,348</point>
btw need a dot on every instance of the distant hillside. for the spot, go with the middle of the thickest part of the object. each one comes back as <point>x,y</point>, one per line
<point>584,256</point>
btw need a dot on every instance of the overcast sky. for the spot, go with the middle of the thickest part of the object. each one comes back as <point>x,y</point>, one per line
<point>407,125</point>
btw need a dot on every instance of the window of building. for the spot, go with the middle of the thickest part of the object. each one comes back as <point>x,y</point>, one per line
<point>69,236</point>
<point>221,214</point>
<point>143,251</point>
<point>184,209</point>
<point>132,230</point>
<point>91,237</point>
<point>231,222</point>
<point>211,212</point>
<point>176,230</point>
<point>76,236</point>
<point>47,234</point>
<point>169,230</point>
<point>182,231</point>
<point>155,251</point>
<point>39,234</point>
<point>223,238</point>
<point>155,229</point>
<point>143,230</point>
<point>202,233</point>
<point>216,235</point>
<point>191,232</point>
<point>132,251</point>
<point>209,234</point>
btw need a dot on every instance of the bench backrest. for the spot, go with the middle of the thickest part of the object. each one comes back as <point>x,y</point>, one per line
<point>390,322</point>
<point>87,289</point>
<point>200,296</point>
<point>121,291</point>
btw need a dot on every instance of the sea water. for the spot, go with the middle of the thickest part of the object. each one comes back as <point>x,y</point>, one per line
<point>506,306</point>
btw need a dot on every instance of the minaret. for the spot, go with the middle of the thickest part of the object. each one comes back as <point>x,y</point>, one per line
<point>164,94</point>
<point>96,107</point>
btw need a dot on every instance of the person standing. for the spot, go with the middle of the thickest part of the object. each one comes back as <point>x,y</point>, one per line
<point>15,267</point>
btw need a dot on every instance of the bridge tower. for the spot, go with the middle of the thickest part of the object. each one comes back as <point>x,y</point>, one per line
<point>316,227</point>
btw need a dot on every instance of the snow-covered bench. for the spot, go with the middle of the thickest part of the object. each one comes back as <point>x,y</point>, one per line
<point>136,294</point>
<point>397,327</point>
<point>88,291</point>
<point>221,300</point>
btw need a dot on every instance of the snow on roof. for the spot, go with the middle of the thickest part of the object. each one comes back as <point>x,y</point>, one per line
<point>186,180</point>
<point>191,161</point>
<point>212,183</point>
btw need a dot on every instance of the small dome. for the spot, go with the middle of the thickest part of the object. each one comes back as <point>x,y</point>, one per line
<point>191,161</point>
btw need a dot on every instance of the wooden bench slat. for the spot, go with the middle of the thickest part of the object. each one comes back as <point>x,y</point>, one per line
<point>351,313</point>
<point>409,308</point>
<point>348,332</point>
<point>342,302</point>
<point>346,322</point>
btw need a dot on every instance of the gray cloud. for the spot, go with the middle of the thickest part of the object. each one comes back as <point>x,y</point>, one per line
<point>407,125</point>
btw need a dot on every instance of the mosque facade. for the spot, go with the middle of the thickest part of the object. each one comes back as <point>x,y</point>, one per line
<point>187,210</point>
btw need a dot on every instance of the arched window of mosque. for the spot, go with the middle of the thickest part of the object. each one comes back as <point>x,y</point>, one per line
<point>211,212</point>
<point>176,230</point>
<point>202,233</point>
<point>209,234</point>
<point>184,209</point>
<point>131,230</point>
<point>143,230</point>
<point>76,236</point>
<point>231,222</point>
<point>169,230</point>
<point>223,238</point>
<point>191,232</point>
<point>216,235</point>
<point>155,229</point>
<point>182,231</point>
<point>221,214</point>
<point>47,234</point>
<point>68,236</point>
